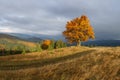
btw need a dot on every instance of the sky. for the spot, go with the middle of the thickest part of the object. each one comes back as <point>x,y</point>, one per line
<point>49,17</point>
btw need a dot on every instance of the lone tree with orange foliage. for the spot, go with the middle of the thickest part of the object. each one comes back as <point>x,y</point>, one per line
<point>78,30</point>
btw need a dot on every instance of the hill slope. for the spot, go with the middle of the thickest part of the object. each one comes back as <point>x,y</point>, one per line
<point>8,41</point>
<point>73,63</point>
<point>7,36</point>
<point>28,37</point>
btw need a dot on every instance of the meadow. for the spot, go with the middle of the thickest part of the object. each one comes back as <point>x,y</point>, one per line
<point>70,63</point>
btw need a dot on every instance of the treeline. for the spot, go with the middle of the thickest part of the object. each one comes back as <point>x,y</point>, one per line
<point>10,49</point>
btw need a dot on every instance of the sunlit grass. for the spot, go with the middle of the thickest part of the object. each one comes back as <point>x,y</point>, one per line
<point>73,63</point>
<point>30,44</point>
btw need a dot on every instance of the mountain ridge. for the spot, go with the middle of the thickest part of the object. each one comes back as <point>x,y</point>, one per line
<point>38,37</point>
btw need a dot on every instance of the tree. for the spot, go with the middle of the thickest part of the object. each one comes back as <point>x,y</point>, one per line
<point>79,29</point>
<point>46,43</point>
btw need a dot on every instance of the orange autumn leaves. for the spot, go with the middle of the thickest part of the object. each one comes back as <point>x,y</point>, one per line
<point>46,44</point>
<point>79,29</point>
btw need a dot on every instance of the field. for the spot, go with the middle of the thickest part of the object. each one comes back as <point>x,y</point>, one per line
<point>71,63</point>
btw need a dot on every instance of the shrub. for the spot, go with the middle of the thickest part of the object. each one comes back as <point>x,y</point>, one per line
<point>51,44</point>
<point>38,47</point>
<point>45,45</point>
<point>60,44</point>
<point>23,52</point>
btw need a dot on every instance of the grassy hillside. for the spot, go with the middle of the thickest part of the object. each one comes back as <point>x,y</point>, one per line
<point>8,39</point>
<point>5,41</point>
<point>13,45</point>
<point>73,63</point>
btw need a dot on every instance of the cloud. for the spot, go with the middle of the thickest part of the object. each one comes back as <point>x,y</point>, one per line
<point>50,16</point>
<point>6,29</point>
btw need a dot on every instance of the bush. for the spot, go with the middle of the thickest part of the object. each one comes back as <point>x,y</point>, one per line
<point>51,44</point>
<point>59,44</point>
<point>38,47</point>
<point>45,44</point>
<point>23,52</point>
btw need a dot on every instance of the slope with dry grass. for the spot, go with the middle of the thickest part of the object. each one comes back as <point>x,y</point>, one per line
<point>9,41</point>
<point>73,63</point>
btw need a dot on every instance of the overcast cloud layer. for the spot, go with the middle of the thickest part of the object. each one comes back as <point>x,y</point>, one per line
<point>50,16</point>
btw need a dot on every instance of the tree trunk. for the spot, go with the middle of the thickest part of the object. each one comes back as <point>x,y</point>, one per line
<point>79,43</point>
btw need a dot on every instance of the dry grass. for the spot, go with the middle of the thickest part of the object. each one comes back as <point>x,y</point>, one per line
<point>30,44</point>
<point>26,43</point>
<point>73,63</point>
<point>44,54</point>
